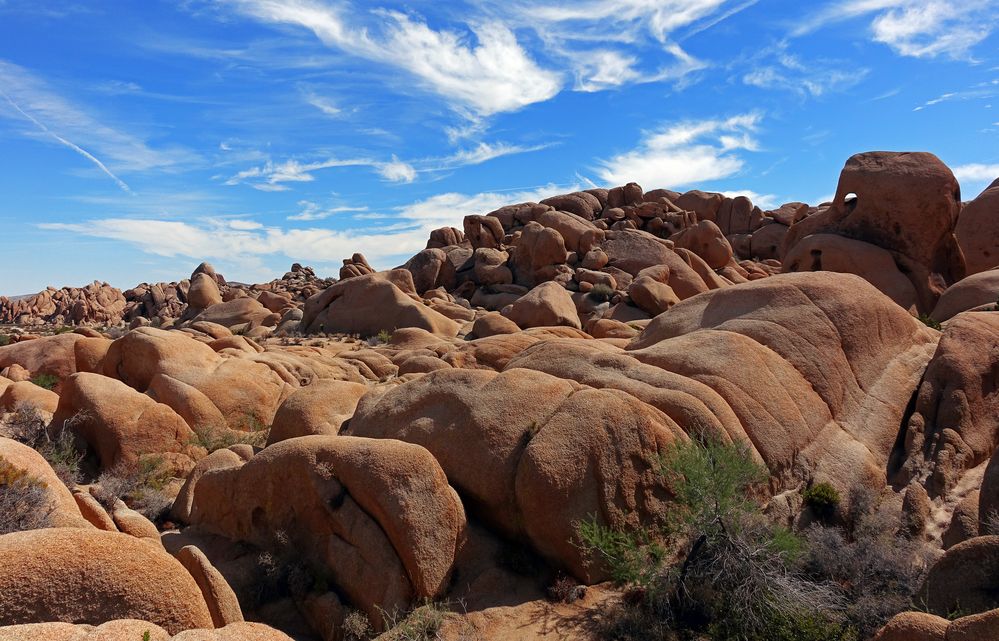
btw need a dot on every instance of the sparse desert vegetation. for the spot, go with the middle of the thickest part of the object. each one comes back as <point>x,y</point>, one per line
<point>690,454</point>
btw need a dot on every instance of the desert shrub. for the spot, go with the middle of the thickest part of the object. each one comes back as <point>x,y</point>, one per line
<point>140,486</point>
<point>385,336</point>
<point>421,624</point>
<point>715,565</point>
<point>215,437</point>
<point>929,322</point>
<point>24,501</point>
<point>45,381</point>
<point>57,445</point>
<point>565,589</point>
<point>5,340</point>
<point>879,569</point>
<point>823,498</point>
<point>281,571</point>
<point>356,626</point>
<point>602,292</point>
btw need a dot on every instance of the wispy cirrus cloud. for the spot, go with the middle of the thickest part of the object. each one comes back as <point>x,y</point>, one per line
<point>30,99</point>
<point>917,28</point>
<point>273,176</point>
<point>314,211</point>
<point>659,18</point>
<point>243,240</point>
<point>83,152</point>
<point>685,153</point>
<point>483,72</point>
<point>777,68</point>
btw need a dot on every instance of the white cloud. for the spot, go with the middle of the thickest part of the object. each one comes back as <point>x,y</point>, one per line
<point>763,201</point>
<point>935,101</point>
<point>243,241</point>
<point>244,225</point>
<point>490,75</point>
<point>312,211</point>
<point>685,153</point>
<point>975,177</point>
<point>397,171</point>
<point>484,152</point>
<point>324,105</point>
<point>57,119</point>
<point>934,27</point>
<point>598,70</point>
<point>659,17</point>
<point>918,28</point>
<point>272,176</point>
<point>976,171</point>
<point>776,68</point>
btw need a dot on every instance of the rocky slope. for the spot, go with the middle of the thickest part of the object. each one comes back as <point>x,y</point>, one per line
<point>332,451</point>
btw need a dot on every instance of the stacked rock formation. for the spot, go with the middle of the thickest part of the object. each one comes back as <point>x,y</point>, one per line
<point>96,303</point>
<point>453,420</point>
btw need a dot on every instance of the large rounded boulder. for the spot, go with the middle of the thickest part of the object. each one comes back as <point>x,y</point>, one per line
<point>376,516</point>
<point>92,576</point>
<point>532,454</point>
<point>905,203</point>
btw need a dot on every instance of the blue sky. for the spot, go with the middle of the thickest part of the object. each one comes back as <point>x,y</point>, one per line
<point>139,138</point>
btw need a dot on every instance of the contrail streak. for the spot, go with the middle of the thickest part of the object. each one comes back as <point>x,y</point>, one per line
<point>83,152</point>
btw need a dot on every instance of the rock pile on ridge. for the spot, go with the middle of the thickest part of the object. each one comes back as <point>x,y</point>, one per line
<point>327,455</point>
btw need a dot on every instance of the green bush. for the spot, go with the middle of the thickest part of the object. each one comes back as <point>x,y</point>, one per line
<point>421,624</point>
<point>601,292</point>
<point>823,498</point>
<point>385,336</point>
<point>715,565</point>
<point>216,437</point>
<point>140,486</point>
<point>879,570</point>
<point>4,340</point>
<point>47,381</point>
<point>929,322</point>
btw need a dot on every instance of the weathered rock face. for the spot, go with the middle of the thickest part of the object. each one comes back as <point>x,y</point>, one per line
<point>547,305</point>
<point>204,387</point>
<point>534,469</point>
<point>239,311</point>
<point>91,576</point>
<point>132,629</point>
<point>319,408</point>
<point>707,241</point>
<point>834,253</point>
<point>97,303</point>
<point>906,203</point>
<point>965,578</point>
<point>820,353</point>
<point>978,230</point>
<point>955,424</point>
<point>977,291</point>
<point>204,291</point>
<point>373,303</point>
<point>59,355</point>
<point>378,516</point>
<point>121,424</point>
<point>914,626</point>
